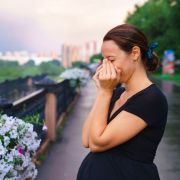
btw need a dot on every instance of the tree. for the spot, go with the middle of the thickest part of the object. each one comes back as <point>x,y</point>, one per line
<point>50,68</point>
<point>96,58</point>
<point>30,63</point>
<point>159,19</point>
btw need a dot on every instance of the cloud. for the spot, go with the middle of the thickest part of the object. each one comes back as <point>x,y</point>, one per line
<point>45,24</point>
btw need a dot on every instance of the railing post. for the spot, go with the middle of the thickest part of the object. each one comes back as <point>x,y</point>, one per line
<point>50,115</point>
<point>50,108</point>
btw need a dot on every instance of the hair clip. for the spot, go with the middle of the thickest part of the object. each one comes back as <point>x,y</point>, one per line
<point>151,47</point>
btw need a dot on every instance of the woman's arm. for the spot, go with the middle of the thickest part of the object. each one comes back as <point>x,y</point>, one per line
<point>97,108</point>
<point>85,129</point>
<point>99,120</point>
<point>123,127</point>
<point>86,125</point>
<point>103,136</point>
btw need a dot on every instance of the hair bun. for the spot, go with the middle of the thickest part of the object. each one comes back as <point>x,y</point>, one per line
<point>152,63</point>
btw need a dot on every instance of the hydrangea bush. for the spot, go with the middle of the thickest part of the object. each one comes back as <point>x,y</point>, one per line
<point>76,74</point>
<point>18,144</point>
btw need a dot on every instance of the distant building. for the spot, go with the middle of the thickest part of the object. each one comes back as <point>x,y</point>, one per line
<point>67,54</point>
<point>24,56</point>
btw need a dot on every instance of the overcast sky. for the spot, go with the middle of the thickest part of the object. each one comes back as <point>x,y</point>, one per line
<point>43,25</point>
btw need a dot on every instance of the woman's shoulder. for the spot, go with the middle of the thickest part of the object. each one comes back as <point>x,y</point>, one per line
<point>149,104</point>
<point>153,99</point>
<point>154,94</point>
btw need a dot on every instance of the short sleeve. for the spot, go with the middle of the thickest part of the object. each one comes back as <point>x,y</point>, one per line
<point>151,107</point>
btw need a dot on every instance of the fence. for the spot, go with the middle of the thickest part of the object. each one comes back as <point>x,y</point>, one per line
<point>49,101</point>
<point>11,90</point>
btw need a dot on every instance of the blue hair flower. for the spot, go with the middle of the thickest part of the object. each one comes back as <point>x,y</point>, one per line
<point>151,47</point>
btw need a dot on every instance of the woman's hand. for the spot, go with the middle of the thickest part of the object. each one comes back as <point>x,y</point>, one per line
<point>96,76</point>
<point>107,76</point>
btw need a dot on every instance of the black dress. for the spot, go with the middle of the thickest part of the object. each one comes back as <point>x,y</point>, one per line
<point>132,160</point>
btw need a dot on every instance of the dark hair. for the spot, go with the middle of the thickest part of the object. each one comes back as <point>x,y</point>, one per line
<point>126,37</point>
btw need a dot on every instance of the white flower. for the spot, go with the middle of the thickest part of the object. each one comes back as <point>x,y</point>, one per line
<point>2,175</point>
<point>29,127</point>
<point>6,141</point>
<point>13,134</point>
<point>2,164</point>
<point>30,171</point>
<point>76,73</point>
<point>44,128</point>
<point>4,168</point>
<point>2,149</point>
<point>17,145</point>
<point>9,157</point>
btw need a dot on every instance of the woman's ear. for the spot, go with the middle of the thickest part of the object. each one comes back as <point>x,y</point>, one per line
<point>135,53</point>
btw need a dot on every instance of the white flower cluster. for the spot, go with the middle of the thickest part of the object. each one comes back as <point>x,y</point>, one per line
<point>76,73</point>
<point>18,143</point>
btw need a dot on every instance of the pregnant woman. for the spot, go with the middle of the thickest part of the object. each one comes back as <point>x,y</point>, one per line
<point>126,123</point>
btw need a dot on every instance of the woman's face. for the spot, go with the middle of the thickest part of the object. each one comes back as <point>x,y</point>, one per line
<point>119,58</point>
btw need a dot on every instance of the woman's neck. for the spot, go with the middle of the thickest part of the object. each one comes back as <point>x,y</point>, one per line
<point>138,81</point>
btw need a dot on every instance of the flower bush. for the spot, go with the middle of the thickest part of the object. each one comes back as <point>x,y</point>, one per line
<point>78,74</point>
<point>18,144</point>
<point>37,123</point>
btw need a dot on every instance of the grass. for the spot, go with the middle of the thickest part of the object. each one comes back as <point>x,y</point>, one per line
<point>42,157</point>
<point>59,130</point>
<point>56,78</point>
<point>175,78</point>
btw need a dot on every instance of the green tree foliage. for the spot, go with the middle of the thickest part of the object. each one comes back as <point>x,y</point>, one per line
<point>8,63</point>
<point>12,69</point>
<point>96,58</point>
<point>78,64</point>
<point>30,63</point>
<point>56,62</point>
<point>159,19</point>
<point>50,68</point>
<point>9,72</point>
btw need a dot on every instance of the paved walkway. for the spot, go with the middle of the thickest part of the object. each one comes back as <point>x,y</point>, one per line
<point>65,156</point>
<point>168,154</point>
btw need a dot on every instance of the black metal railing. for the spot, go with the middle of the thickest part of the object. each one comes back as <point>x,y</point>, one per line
<point>35,102</point>
<point>12,90</point>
